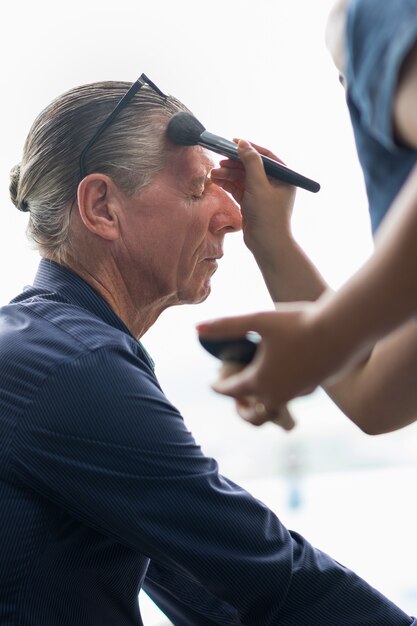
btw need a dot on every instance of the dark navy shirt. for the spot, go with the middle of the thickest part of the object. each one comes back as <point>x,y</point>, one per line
<point>379,35</point>
<point>103,489</point>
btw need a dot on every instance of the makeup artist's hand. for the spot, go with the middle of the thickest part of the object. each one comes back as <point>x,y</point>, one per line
<point>291,360</point>
<point>250,408</point>
<point>266,203</point>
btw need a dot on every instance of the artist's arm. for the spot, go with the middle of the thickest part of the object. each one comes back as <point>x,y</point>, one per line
<point>364,393</point>
<point>382,389</point>
<point>405,103</point>
<point>266,211</point>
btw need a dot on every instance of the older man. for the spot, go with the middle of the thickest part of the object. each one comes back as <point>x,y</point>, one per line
<point>103,489</point>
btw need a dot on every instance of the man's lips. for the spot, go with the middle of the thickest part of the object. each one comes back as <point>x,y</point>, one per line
<point>214,257</point>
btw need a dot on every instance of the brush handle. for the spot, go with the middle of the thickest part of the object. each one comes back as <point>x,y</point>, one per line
<point>272,168</point>
<point>283,173</point>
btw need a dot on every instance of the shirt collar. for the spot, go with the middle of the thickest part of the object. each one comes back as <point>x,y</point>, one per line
<point>55,278</point>
<point>62,282</point>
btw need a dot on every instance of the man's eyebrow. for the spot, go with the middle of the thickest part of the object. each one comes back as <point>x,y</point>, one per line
<point>201,180</point>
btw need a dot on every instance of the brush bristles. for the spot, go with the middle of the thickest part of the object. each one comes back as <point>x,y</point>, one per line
<point>184,129</point>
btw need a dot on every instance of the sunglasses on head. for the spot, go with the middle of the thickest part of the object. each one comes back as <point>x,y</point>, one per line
<point>132,91</point>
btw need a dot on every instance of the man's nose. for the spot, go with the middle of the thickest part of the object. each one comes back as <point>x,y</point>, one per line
<point>227,217</point>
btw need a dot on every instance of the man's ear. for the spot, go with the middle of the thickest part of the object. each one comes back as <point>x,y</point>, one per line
<point>98,204</point>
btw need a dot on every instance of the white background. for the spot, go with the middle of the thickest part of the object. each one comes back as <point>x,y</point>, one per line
<point>257,70</point>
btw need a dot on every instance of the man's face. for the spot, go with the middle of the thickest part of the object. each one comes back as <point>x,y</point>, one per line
<point>173,229</point>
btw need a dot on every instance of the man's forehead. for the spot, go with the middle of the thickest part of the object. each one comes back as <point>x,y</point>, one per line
<point>194,165</point>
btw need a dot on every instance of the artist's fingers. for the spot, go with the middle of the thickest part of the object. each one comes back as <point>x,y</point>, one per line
<point>236,164</point>
<point>226,173</point>
<point>253,164</point>
<point>240,384</point>
<point>230,327</point>
<point>257,414</point>
<point>284,419</point>
<point>263,151</point>
<point>252,412</point>
<point>232,164</point>
<point>235,187</point>
<point>228,185</point>
<point>228,368</point>
<point>237,385</point>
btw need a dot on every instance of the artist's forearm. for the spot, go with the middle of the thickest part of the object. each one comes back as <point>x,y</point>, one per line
<point>289,274</point>
<point>379,395</point>
<point>383,294</point>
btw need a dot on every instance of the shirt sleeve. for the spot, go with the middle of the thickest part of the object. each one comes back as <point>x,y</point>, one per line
<point>102,442</point>
<point>378,38</point>
<point>377,42</point>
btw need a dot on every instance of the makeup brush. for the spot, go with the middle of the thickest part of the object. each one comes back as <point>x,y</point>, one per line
<point>185,130</point>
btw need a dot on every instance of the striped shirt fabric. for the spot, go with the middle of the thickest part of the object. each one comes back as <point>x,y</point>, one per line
<point>103,490</point>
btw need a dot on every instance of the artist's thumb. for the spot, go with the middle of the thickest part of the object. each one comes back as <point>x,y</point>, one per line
<point>237,385</point>
<point>227,327</point>
<point>252,161</point>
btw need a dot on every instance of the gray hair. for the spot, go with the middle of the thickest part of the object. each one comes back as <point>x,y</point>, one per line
<point>131,150</point>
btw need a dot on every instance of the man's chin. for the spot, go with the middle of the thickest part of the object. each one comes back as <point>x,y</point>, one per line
<point>204,297</point>
<point>198,298</point>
